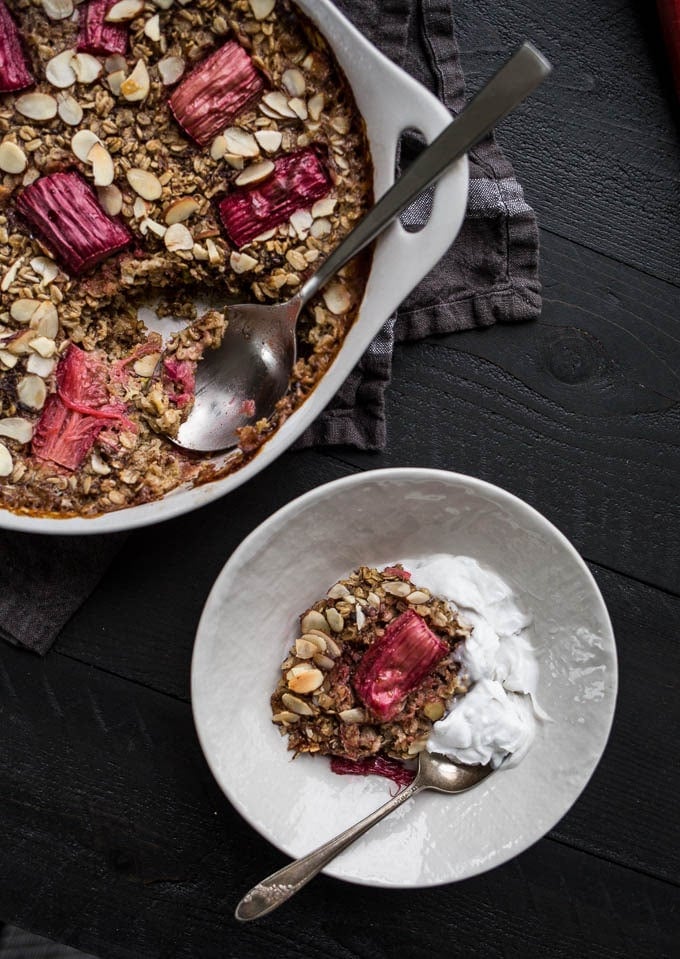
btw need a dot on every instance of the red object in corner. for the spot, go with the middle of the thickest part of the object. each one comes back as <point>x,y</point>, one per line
<point>669,15</point>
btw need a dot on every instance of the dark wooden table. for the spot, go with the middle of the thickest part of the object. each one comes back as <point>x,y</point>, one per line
<point>113,835</point>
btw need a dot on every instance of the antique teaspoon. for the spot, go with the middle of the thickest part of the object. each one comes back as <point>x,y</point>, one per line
<point>241,381</point>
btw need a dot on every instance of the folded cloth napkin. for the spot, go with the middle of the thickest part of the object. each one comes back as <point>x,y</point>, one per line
<point>490,273</point>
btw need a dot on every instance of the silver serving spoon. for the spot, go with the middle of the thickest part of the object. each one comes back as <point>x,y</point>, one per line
<point>434,772</point>
<point>241,381</point>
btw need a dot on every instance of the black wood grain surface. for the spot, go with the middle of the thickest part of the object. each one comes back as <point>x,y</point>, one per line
<point>114,836</point>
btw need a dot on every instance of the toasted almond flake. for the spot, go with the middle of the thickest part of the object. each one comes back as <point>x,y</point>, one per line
<point>11,274</point>
<point>30,176</point>
<point>339,591</point>
<point>170,69</point>
<point>82,142</point>
<point>102,165</point>
<point>43,346</point>
<point>111,199</point>
<point>152,28</point>
<point>45,320</point>
<point>234,161</point>
<point>150,224</point>
<point>417,597</point>
<point>297,706</point>
<point>144,183</point>
<point>32,392</point>
<point>397,587</point>
<point>9,360</point>
<point>99,466</point>
<point>269,140</point>
<point>318,640</point>
<point>114,63</point>
<point>69,109</point>
<point>214,255</point>
<point>46,268</point>
<point>360,617</point>
<point>6,463</point>
<point>140,208</point>
<point>320,228</point>
<point>59,70</point>
<point>314,620</point>
<point>19,345</point>
<point>335,620</point>
<point>115,81</point>
<point>40,365</point>
<point>255,173</point>
<point>16,428</point>
<point>178,237</point>
<point>277,102</point>
<point>301,221</point>
<point>355,715</point>
<point>23,309</point>
<point>199,252</point>
<point>181,210</point>
<point>37,106</point>
<point>294,82</point>
<point>315,106</point>
<point>137,85</point>
<point>86,67</point>
<point>147,364</point>
<point>299,108</point>
<point>263,237</point>
<point>303,648</point>
<point>338,301</point>
<point>268,112</point>
<point>218,147</point>
<point>124,10</point>
<point>242,262</point>
<point>12,158</point>
<point>324,207</point>
<point>240,142</point>
<point>341,125</point>
<point>261,8</point>
<point>58,9</point>
<point>305,681</point>
<point>296,259</point>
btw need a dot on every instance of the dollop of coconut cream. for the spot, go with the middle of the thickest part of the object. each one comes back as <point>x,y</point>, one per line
<point>496,718</point>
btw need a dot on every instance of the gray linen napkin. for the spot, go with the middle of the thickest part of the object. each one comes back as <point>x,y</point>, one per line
<point>490,273</point>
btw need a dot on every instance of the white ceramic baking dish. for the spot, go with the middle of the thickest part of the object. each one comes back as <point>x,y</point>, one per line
<point>390,102</point>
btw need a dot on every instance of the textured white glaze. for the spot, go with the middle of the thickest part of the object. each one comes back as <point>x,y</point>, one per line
<point>375,517</point>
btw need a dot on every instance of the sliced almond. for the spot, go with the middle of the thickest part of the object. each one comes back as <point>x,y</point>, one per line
<point>240,142</point>
<point>32,392</point>
<point>177,238</point>
<point>59,70</point>
<point>296,259</point>
<point>294,82</point>
<point>355,715</point>
<point>69,109</point>
<point>297,706</point>
<point>301,221</point>
<point>303,648</point>
<point>145,184</point>
<point>124,10</point>
<point>86,67</point>
<point>111,199</point>
<point>45,320</point>
<point>82,142</point>
<point>115,81</point>
<point>214,255</point>
<point>170,69</point>
<point>255,173</point>
<point>6,463</point>
<point>277,102</point>
<point>16,428</point>
<point>150,224</point>
<point>285,717</point>
<point>306,681</point>
<point>40,365</point>
<point>314,620</point>
<point>37,106</point>
<point>99,466</point>
<point>8,360</point>
<point>181,210</point>
<point>30,176</point>
<point>338,301</point>
<point>261,8</point>
<point>23,309</point>
<point>46,269</point>
<point>19,344</point>
<point>102,165</point>
<point>234,161</point>
<point>11,274</point>
<point>146,365</point>
<point>136,86</point>
<point>315,106</point>
<point>242,262</point>
<point>44,346</point>
<point>320,228</point>
<point>299,108</point>
<point>218,147</point>
<point>396,587</point>
<point>199,252</point>
<point>324,206</point>
<point>140,208</point>
<point>58,9</point>
<point>152,28</point>
<point>269,140</point>
<point>115,62</point>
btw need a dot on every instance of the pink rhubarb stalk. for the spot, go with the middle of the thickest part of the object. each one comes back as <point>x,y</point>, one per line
<point>298,179</point>
<point>98,37</point>
<point>66,215</point>
<point>215,92</point>
<point>373,766</point>
<point>14,73</point>
<point>396,664</point>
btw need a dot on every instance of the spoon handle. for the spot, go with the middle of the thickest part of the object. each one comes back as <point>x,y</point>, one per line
<point>281,885</point>
<point>515,80</point>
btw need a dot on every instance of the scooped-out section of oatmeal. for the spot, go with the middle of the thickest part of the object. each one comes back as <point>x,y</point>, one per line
<point>158,155</point>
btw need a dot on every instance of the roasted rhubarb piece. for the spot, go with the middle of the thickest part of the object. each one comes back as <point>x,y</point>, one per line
<point>14,73</point>
<point>66,215</point>
<point>396,663</point>
<point>96,35</point>
<point>298,179</point>
<point>373,766</point>
<point>214,94</point>
<point>74,416</point>
<point>179,379</point>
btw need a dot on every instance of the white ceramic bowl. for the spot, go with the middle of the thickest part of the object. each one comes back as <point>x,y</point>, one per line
<point>390,102</point>
<point>379,517</point>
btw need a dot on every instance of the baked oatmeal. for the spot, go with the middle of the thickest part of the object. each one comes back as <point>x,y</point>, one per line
<point>375,666</point>
<point>150,151</point>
